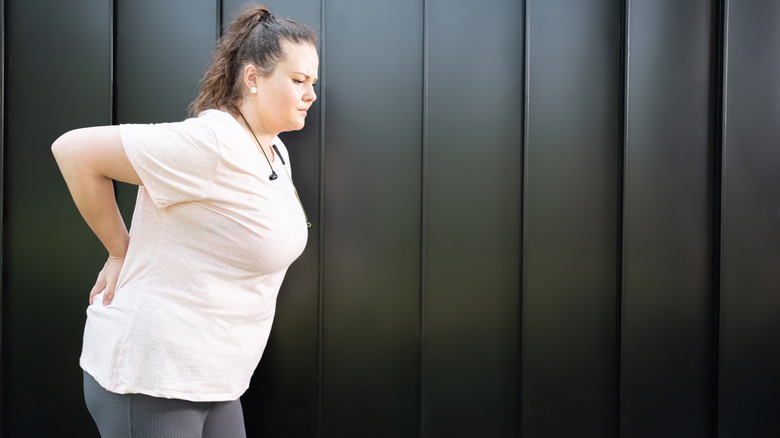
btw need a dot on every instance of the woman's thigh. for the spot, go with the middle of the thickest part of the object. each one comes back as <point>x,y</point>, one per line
<point>143,416</point>
<point>225,420</point>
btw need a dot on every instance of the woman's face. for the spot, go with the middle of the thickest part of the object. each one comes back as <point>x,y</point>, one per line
<point>284,98</point>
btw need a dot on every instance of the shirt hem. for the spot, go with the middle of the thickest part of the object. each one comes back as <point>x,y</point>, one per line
<point>168,394</point>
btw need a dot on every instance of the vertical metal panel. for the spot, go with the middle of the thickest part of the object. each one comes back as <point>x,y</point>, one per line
<point>162,51</point>
<point>372,214</point>
<point>750,302</point>
<point>569,315</point>
<point>667,333</point>
<point>471,291</point>
<point>283,397</point>
<point>58,78</point>
<point>2,215</point>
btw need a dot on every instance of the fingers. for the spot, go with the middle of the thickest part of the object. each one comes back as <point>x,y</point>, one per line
<point>96,289</point>
<point>106,280</point>
<point>108,295</point>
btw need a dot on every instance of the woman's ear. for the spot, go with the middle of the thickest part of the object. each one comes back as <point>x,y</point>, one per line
<point>251,78</point>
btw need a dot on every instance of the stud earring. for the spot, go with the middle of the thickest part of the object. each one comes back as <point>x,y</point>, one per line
<point>253,90</point>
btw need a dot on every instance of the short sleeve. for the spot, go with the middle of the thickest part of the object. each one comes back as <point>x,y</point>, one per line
<point>177,162</point>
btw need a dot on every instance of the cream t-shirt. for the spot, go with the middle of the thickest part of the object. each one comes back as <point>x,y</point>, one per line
<point>210,242</point>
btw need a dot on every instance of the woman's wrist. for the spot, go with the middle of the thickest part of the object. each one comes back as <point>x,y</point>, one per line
<point>120,250</point>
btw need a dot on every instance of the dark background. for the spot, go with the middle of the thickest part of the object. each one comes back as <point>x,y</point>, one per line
<point>540,218</point>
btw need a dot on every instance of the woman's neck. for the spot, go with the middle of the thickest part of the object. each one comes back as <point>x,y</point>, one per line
<point>254,127</point>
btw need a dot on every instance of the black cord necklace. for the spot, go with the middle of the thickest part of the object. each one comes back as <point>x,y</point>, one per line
<point>262,149</point>
<point>273,172</point>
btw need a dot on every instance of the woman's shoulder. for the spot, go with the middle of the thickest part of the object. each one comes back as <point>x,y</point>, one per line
<point>222,123</point>
<point>215,116</point>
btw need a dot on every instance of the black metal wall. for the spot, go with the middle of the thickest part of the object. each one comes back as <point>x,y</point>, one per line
<point>531,218</point>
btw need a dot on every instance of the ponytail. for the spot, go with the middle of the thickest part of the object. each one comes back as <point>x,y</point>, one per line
<point>254,37</point>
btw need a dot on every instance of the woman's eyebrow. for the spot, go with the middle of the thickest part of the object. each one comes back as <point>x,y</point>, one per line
<point>303,74</point>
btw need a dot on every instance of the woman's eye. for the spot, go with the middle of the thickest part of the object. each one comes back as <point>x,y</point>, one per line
<point>297,81</point>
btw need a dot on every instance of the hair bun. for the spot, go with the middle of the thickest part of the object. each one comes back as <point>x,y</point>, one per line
<point>265,14</point>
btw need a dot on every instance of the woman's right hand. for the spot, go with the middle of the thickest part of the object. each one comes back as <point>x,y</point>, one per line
<point>106,280</point>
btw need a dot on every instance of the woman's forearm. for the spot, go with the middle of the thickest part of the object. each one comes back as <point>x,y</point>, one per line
<point>94,197</point>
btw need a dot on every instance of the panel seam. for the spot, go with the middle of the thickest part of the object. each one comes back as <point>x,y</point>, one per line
<point>524,196</point>
<point>321,232</point>
<point>3,138</point>
<point>423,217</point>
<point>526,55</point>
<point>220,18</point>
<point>113,47</point>
<point>625,30</point>
<point>718,201</point>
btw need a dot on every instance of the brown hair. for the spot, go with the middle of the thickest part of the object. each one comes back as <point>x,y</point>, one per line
<point>255,37</point>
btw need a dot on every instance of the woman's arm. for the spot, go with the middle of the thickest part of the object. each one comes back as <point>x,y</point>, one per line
<point>89,160</point>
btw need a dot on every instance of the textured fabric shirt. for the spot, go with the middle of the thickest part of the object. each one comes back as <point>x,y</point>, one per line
<point>210,242</point>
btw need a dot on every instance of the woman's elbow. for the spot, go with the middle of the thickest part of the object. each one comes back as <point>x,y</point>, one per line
<point>61,146</point>
<point>66,152</point>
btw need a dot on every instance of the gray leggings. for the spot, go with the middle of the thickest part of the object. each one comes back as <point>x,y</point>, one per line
<point>143,416</point>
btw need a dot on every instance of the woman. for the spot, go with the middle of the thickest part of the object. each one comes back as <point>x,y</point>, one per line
<point>180,313</point>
